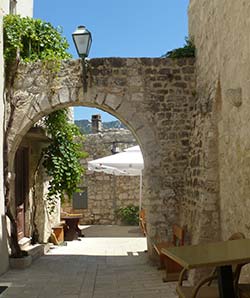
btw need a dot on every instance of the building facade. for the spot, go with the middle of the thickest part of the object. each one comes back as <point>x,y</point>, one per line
<point>220,30</point>
<point>24,8</point>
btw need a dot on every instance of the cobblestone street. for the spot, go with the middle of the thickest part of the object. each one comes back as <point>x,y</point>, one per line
<point>114,265</point>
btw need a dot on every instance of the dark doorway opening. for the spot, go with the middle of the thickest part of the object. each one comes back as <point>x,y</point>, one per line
<point>21,188</point>
<point>2,289</point>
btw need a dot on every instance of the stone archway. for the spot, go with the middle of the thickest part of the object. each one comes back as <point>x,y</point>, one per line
<point>153,97</point>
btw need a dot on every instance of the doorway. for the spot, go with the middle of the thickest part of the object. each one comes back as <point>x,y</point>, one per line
<point>21,188</point>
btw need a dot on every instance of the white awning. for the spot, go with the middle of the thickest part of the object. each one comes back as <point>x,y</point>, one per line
<point>128,163</point>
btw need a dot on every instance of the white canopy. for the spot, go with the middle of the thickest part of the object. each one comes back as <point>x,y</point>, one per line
<point>128,163</point>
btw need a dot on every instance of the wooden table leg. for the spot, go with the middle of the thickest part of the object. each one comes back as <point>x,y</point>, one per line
<point>70,231</point>
<point>225,281</point>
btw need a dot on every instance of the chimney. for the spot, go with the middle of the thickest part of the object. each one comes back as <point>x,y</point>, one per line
<point>96,122</point>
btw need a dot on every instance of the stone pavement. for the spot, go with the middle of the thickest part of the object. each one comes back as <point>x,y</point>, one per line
<point>108,262</point>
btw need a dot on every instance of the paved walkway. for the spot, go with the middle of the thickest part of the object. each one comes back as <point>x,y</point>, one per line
<point>108,262</point>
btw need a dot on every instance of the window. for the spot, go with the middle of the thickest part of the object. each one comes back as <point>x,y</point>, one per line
<point>80,199</point>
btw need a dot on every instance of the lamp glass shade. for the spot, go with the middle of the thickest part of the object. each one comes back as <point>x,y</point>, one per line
<point>82,39</point>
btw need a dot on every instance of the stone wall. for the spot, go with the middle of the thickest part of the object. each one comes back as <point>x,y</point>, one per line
<point>154,97</point>
<point>221,163</point>
<point>106,193</point>
<point>100,144</point>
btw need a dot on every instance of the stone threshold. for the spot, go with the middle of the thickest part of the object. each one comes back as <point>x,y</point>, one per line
<point>34,252</point>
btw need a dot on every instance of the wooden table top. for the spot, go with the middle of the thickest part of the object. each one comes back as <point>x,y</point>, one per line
<point>69,216</point>
<point>210,254</point>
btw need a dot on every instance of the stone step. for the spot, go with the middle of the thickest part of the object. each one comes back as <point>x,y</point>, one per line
<point>36,250</point>
<point>24,242</point>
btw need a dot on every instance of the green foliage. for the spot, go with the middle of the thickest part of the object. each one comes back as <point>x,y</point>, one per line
<point>188,50</point>
<point>61,157</point>
<point>129,214</point>
<point>32,40</point>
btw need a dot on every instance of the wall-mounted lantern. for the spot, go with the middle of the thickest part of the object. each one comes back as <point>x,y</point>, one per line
<point>82,40</point>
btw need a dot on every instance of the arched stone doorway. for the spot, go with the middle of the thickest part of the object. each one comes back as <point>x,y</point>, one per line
<point>153,97</point>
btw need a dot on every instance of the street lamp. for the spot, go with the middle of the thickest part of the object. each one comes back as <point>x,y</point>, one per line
<point>82,40</point>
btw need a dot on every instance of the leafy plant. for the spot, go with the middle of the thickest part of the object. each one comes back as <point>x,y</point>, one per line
<point>33,39</point>
<point>188,50</point>
<point>61,157</point>
<point>28,40</point>
<point>129,214</point>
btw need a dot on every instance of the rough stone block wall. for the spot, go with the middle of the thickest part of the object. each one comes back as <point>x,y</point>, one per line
<point>99,144</point>
<point>221,123</point>
<point>106,193</point>
<point>172,113</point>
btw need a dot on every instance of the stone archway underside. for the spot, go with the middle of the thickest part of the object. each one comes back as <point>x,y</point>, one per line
<point>152,96</point>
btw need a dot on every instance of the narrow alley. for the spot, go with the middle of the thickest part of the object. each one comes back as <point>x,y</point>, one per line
<point>108,262</point>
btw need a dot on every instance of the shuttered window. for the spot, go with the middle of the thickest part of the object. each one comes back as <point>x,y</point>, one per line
<point>80,199</point>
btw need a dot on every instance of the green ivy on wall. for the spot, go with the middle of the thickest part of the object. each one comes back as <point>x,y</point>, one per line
<point>61,157</point>
<point>33,39</point>
<point>30,40</point>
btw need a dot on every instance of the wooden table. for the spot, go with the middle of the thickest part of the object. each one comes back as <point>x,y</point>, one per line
<point>219,254</point>
<point>71,230</point>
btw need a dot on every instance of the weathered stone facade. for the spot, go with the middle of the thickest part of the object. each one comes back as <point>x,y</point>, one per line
<point>106,193</point>
<point>221,136</point>
<point>153,97</point>
<point>23,8</point>
<point>36,214</point>
<point>100,144</point>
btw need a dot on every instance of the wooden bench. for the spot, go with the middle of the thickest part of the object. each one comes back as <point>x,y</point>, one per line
<point>142,221</point>
<point>58,231</point>
<point>172,268</point>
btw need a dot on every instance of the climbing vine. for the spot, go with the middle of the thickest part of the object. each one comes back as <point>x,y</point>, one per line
<point>33,39</point>
<point>188,50</point>
<point>61,157</point>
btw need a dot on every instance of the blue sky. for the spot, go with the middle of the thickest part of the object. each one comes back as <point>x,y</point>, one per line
<point>119,28</point>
